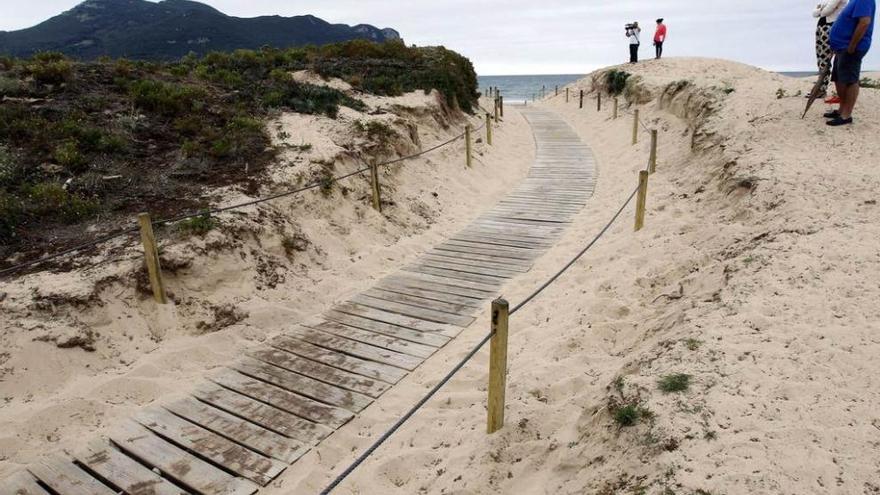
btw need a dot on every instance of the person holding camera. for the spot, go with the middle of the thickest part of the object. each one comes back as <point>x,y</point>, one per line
<point>660,37</point>
<point>633,32</point>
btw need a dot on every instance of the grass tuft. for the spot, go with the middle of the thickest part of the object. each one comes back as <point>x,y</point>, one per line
<point>678,382</point>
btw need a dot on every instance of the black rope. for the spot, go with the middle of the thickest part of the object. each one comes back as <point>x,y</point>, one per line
<point>378,443</point>
<point>215,211</point>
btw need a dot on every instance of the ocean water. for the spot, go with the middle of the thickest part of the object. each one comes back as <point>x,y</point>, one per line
<point>521,88</point>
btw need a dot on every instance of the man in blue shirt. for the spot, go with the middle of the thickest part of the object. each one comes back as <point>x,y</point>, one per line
<point>850,41</point>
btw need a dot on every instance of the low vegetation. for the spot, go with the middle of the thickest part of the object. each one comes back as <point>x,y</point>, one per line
<point>115,137</point>
<point>615,81</point>
<point>678,382</point>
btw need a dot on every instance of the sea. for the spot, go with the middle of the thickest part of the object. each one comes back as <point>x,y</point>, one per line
<point>517,89</point>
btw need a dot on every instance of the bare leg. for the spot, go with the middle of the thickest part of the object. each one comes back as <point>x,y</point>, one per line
<point>849,102</point>
<point>841,92</point>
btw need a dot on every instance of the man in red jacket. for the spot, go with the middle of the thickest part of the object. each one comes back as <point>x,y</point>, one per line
<point>660,37</point>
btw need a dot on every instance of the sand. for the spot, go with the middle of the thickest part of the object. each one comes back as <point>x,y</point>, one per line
<point>756,274</point>
<point>81,350</point>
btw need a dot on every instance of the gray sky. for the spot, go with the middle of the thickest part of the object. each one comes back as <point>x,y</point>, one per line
<point>548,36</point>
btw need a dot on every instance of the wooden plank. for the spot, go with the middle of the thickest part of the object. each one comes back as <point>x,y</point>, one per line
<point>422,313</point>
<point>422,302</point>
<point>303,385</point>
<point>238,430</point>
<point>319,371</point>
<point>475,263</point>
<point>477,289</point>
<point>396,319</point>
<point>498,254</point>
<point>123,471</point>
<point>422,293</point>
<point>452,274</point>
<point>428,339</point>
<point>372,338</point>
<point>177,464</point>
<point>269,417</point>
<point>370,369</point>
<point>434,284</point>
<point>210,446</point>
<point>21,483</point>
<point>471,269</point>
<point>354,348</point>
<point>62,476</point>
<point>523,266</point>
<point>297,404</point>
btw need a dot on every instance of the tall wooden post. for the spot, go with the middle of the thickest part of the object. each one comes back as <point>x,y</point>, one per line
<point>498,365</point>
<point>635,126</point>
<point>489,129</point>
<point>599,102</point>
<point>582,99</point>
<point>496,109</point>
<point>557,90</point>
<point>652,161</point>
<point>374,181</point>
<point>641,200</point>
<point>151,255</point>
<point>566,95</point>
<point>616,105</point>
<point>468,146</point>
<point>501,104</point>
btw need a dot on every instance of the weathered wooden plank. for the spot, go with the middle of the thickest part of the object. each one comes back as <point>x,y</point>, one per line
<point>177,464</point>
<point>238,430</point>
<point>123,471</point>
<point>422,313</point>
<point>375,339</point>
<point>397,319</point>
<point>303,385</point>
<point>270,417</point>
<point>434,284</point>
<point>511,264</point>
<point>320,371</point>
<point>297,404</point>
<point>475,263</point>
<point>494,253</point>
<point>478,289</point>
<point>370,369</point>
<point>421,292</point>
<point>452,274</point>
<point>354,348</point>
<point>210,446</point>
<point>444,306</point>
<point>472,269</point>
<point>21,483</point>
<point>428,339</point>
<point>62,476</point>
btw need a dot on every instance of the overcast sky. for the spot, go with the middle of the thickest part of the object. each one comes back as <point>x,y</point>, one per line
<point>547,36</point>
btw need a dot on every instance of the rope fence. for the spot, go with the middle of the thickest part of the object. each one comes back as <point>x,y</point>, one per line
<point>209,212</point>
<point>497,337</point>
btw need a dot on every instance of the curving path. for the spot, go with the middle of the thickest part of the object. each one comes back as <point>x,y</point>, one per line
<point>249,422</point>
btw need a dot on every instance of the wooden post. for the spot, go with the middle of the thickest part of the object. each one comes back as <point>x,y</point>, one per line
<point>498,365</point>
<point>641,200</point>
<point>582,99</point>
<point>635,126</point>
<point>501,104</point>
<point>616,105</point>
<point>599,102</point>
<point>566,95</point>
<point>468,146</point>
<point>557,90</point>
<point>544,91</point>
<point>652,161</point>
<point>488,129</point>
<point>496,109</point>
<point>151,254</point>
<point>374,181</point>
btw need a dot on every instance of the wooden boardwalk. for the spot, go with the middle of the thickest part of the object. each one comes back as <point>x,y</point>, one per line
<point>247,423</point>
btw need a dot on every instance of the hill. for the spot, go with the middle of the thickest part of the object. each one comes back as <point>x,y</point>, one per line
<point>171,29</point>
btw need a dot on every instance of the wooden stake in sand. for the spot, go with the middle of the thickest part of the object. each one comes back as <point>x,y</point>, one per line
<point>496,109</point>
<point>598,102</point>
<point>566,95</point>
<point>498,365</point>
<point>641,200</point>
<point>616,105</point>
<point>557,90</point>
<point>652,160</point>
<point>488,129</point>
<point>501,104</point>
<point>151,255</point>
<point>635,126</point>
<point>374,182</point>
<point>468,146</point>
<point>582,99</point>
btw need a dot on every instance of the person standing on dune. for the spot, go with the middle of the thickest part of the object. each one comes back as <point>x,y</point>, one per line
<point>851,40</point>
<point>633,32</point>
<point>827,12</point>
<point>660,37</point>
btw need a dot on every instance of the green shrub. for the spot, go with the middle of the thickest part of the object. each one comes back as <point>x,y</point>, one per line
<point>678,382</point>
<point>51,200</point>
<point>50,68</point>
<point>615,81</point>
<point>11,213</point>
<point>10,87</point>
<point>68,155</point>
<point>168,99</point>
<point>199,225</point>
<point>627,415</point>
<point>6,63</point>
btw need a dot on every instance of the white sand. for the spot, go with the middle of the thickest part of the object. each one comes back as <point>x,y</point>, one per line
<point>761,248</point>
<point>53,398</point>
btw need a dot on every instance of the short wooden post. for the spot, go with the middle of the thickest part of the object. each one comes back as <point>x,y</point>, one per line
<point>498,365</point>
<point>557,90</point>
<point>616,105</point>
<point>496,109</point>
<point>641,200</point>
<point>652,161</point>
<point>501,104</point>
<point>488,129</point>
<point>151,254</point>
<point>599,102</point>
<point>468,145</point>
<point>635,126</point>
<point>582,99</point>
<point>374,181</point>
<point>566,95</point>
